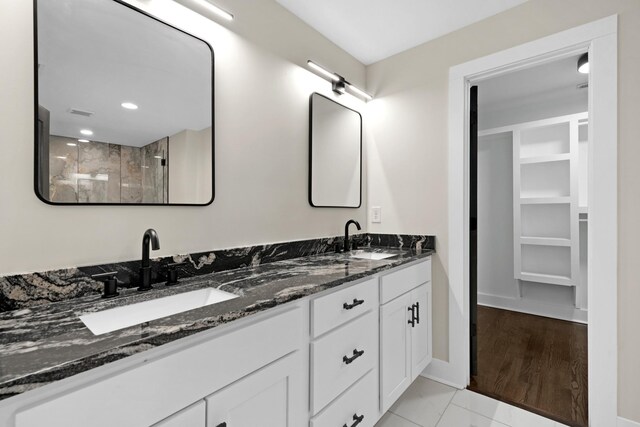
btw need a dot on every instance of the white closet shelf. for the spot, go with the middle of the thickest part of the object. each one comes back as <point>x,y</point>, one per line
<point>544,200</point>
<point>551,279</point>
<point>545,241</point>
<point>545,159</point>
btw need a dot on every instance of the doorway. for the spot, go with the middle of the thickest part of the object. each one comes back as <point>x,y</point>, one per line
<point>528,238</point>
<point>599,38</point>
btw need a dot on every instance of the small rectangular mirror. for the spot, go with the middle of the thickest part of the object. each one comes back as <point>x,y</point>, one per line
<point>335,154</point>
<point>124,107</point>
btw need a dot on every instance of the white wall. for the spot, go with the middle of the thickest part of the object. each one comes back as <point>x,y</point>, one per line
<point>270,26</point>
<point>190,167</point>
<point>408,148</point>
<point>261,126</point>
<point>495,216</point>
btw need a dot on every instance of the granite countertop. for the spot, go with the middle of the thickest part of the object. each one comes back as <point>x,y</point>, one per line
<point>43,344</point>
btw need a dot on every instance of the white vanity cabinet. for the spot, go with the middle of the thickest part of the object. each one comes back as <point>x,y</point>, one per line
<point>405,329</point>
<point>266,398</point>
<point>421,353</point>
<point>148,387</point>
<point>193,416</point>
<point>356,407</point>
<point>344,354</point>
<point>339,358</point>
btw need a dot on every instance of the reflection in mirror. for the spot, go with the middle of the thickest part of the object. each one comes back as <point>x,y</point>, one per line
<point>335,154</point>
<point>125,107</point>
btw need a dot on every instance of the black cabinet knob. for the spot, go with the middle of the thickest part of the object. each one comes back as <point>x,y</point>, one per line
<point>356,354</point>
<point>356,420</point>
<point>355,303</point>
<point>412,309</point>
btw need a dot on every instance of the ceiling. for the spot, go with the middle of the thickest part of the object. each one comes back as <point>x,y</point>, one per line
<point>94,55</point>
<point>372,30</point>
<point>553,79</point>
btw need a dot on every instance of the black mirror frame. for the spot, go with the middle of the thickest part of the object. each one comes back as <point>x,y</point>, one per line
<point>36,118</point>
<point>311,152</point>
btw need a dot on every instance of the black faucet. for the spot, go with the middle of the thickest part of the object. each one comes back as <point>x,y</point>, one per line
<point>145,270</point>
<point>346,233</point>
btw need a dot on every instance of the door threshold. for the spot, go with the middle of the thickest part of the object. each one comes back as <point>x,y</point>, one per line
<point>528,408</point>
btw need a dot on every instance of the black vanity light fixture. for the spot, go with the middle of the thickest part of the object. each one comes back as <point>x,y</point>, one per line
<point>215,9</point>
<point>583,64</point>
<point>338,83</point>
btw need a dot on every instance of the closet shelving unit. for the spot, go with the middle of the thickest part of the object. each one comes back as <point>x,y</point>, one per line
<point>546,200</point>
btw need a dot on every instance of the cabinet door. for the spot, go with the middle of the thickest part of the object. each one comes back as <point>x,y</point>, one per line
<point>270,397</point>
<point>193,416</point>
<point>395,349</point>
<point>421,331</point>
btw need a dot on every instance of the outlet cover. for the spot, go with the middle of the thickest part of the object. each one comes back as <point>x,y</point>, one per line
<point>376,214</point>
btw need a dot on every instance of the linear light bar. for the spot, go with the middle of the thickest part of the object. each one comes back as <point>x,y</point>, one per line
<point>215,9</point>
<point>323,71</point>
<point>338,83</point>
<point>359,92</point>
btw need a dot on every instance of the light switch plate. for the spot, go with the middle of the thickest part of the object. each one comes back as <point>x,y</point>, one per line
<point>376,214</point>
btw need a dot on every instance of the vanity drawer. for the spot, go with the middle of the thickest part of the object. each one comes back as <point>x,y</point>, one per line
<point>193,416</point>
<point>335,309</point>
<point>399,282</point>
<point>359,401</point>
<point>338,359</point>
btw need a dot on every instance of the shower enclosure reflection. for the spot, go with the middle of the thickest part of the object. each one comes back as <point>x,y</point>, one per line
<point>97,172</point>
<point>125,107</point>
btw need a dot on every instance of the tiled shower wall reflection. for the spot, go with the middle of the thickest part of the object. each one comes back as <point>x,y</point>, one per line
<point>97,172</point>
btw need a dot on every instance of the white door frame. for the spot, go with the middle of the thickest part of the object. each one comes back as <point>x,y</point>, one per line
<point>600,38</point>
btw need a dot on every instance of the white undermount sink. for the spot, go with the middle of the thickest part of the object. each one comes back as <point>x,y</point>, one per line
<point>371,255</point>
<point>106,321</point>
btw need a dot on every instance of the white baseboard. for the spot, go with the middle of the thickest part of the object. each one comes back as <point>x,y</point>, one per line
<point>533,307</point>
<point>442,372</point>
<point>623,422</point>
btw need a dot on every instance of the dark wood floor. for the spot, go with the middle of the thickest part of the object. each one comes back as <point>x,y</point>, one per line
<point>533,362</point>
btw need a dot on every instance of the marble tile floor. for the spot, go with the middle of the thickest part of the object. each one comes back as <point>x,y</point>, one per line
<point>431,404</point>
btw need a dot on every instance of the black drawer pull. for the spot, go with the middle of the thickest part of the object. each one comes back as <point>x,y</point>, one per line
<point>412,309</point>
<point>417,312</point>
<point>356,354</point>
<point>356,420</point>
<point>356,302</point>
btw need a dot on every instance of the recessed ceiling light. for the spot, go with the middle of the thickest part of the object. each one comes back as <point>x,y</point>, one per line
<point>72,144</point>
<point>129,105</point>
<point>83,140</point>
<point>86,132</point>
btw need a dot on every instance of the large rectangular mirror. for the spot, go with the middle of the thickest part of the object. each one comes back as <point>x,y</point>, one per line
<point>335,154</point>
<point>124,107</point>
